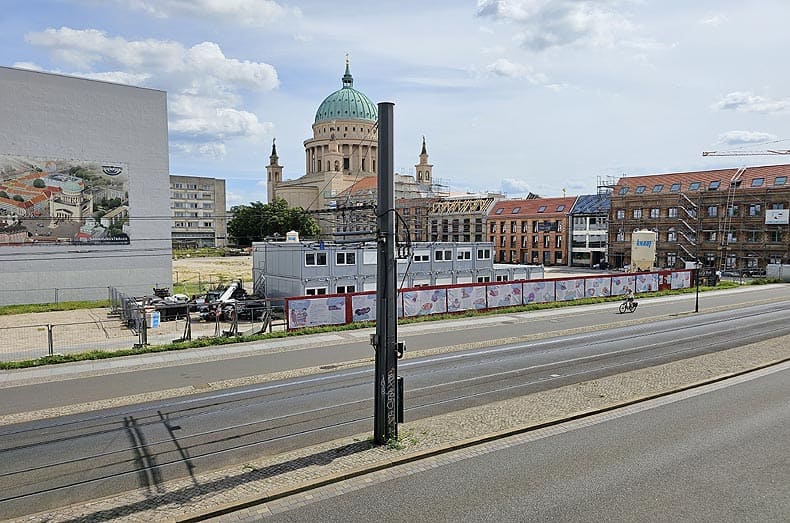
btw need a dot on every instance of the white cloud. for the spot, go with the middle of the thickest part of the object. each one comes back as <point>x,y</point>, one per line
<point>202,83</point>
<point>714,20</point>
<point>560,23</point>
<point>255,13</point>
<point>233,199</point>
<point>745,137</point>
<point>512,187</point>
<point>30,66</point>
<point>748,102</point>
<point>508,69</point>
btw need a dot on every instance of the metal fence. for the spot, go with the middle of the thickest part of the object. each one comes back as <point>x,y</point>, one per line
<point>135,322</point>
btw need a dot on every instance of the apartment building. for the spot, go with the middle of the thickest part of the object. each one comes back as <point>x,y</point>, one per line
<point>590,231</point>
<point>532,231</point>
<point>197,206</point>
<point>728,219</point>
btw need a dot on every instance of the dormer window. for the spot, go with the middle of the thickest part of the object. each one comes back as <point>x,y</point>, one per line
<point>714,185</point>
<point>694,186</point>
<point>560,208</point>
<point>542,208</point>
<point>499,211</point>
<point>515,210</point>
<point>757,182</point>
<point>640,189</point>
<point>675,187</point>
<point>623,191</point>
<point>658,188</point>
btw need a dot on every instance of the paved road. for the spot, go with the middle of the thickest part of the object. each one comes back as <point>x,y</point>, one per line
<point>56,386</point>
<point>218,429</point>
<point>716,456</point>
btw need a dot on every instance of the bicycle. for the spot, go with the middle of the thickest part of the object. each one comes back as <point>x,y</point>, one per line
<point>628,306</point>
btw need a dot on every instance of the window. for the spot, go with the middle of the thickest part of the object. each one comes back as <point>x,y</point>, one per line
<point>513,227</point>
<point>775,236</point>
<point>654,212</point>
<point>675,187</point>
<point>558,242</point>
<point>672,259</point>
<point>637,213</point>
<point>483,254</point>
<point>345,289</point>
<point>777,206</point>
<point>315,258</point>
<point>714,185</point>
<point>623,191</point>
<point>672,236</point>
<point>757,182</point>
<point>515,210</point>
<point>755,209</point>
<point>542,208</point>
<point>501,277</point>
<point>493,227</point>
<point>620,235</point>
<point>711,236</point>
<point>443,255</point>
<point>560,208</point>
<point>546,240</point>
<point>658,188</point>
<point>483,279</point>
<point>314,291</point>
<point>752,236</point>
<point>499,211</point>
<point>640,189</point>
<point>780,180</point>
<point>713,211</point>
<point>463,254</point>
<point>346,258</point>
<point>694,186</point>
<point>421,256</point>
<point>620,214</point>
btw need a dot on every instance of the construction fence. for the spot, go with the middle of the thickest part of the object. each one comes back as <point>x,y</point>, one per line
<point>343,309</point>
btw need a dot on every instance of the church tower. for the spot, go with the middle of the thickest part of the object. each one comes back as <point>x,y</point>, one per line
<point>424,169</point>
<point>274,174</point>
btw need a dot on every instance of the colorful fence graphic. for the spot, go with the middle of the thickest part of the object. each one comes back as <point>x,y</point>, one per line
<point>347,308</point>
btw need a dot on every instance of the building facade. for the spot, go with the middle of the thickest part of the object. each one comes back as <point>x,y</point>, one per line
<point>286,269</point>
<point>589,235</point>
<point>531,231</point>
<point>461,218</point>
<point>727,219</point>
<point>198,210</point>
<point>84,180</point>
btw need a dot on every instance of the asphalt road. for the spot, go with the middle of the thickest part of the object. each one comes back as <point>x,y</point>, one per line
<point>95,454</point>
<point>719,456</point>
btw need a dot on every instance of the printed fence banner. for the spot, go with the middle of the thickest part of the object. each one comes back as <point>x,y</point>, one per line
<point>647,282</point>
<point>567,290</point>
<point>621,283</point>
<point>424,302</point>
<point>363,307</point>
<point>466,298</point>
<point>598,287</point>
<point>316,311</point>
<point>681,280</point>
<point>538,291</point>
<point>503,295</point>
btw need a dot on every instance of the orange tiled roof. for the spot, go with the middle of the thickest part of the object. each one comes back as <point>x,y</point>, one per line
<point>532,208</point>
<point>663,183</point>
<point>368,183</point>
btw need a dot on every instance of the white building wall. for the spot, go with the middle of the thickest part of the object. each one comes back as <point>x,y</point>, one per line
<point>49,116</point>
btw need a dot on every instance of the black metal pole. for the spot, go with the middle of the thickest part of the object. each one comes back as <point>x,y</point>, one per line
<point>386,338</point>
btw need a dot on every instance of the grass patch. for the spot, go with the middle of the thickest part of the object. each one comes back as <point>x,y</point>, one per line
<point>203,252</point>
<point>50,307</point>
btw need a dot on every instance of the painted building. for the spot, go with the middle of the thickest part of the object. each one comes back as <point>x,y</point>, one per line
<point>73,151</point>
<point>286,269</point>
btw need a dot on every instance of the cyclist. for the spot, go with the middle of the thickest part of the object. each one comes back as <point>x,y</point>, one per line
<point>629,296</point>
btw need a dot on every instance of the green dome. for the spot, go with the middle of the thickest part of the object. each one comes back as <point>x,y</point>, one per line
<point>72,187</point>
<point>346,104</point>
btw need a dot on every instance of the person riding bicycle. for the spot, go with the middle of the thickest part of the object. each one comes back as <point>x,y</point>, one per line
<point>629,296</point>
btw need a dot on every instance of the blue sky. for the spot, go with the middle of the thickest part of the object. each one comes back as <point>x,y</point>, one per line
<point>512,95</point>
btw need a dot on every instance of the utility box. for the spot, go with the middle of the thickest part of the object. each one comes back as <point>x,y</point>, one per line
<point>152,319</point>
<point>643,250</point>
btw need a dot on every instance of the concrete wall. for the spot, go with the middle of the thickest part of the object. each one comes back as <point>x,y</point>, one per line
<point>53,117</point>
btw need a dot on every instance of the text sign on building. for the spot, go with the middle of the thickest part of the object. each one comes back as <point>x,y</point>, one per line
<point>777,216</point>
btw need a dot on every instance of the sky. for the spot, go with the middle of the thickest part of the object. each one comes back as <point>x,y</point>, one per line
<point>515,96</point>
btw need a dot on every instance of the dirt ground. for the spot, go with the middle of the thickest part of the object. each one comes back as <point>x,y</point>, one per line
<point>213,270</point>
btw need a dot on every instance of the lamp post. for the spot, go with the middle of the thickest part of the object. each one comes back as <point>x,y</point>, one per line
<point>696,276</point>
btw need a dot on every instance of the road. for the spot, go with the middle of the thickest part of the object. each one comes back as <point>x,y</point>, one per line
<point>715,456</point>
<point>61,459</point>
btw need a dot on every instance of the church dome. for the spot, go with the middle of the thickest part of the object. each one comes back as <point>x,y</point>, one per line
<point>346,104</point>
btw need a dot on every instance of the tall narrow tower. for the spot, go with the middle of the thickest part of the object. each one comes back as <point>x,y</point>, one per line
<point>274,174</point>
<point>424,169</point>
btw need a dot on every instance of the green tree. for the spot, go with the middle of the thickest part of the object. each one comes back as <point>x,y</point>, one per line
<point>18,198</point>
<point>38,183</point>
<point>3,194</point>
<point>256,221</point>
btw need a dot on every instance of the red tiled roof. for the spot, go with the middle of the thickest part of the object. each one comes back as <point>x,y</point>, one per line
<point>368,183</point>
<point>768,173</point>
<point>531,208</point>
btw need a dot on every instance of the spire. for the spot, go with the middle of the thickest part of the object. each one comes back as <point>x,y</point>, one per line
<point>424,151</point>
<point>348,80</point>
<point>274,147</point>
